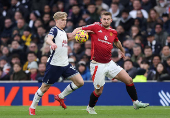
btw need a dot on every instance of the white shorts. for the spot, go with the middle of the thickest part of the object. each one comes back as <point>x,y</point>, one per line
<point>100,70</point>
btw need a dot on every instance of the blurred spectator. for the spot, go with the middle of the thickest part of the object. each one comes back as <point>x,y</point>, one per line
<point>68,7</point>
<point>166,25</point>
<point>149,74</point>
<point>47,10</point>
<point>60,6</point>
<point>135,32</point>
<point>3,76</point>
<point>69,51</point>
<point>5,65</point>
<point>14,59</point>
<point>37,23</point>
<point>141,17</point>
<point>31,56</point>
<point>33,47</point>
<point>86,3</point>
<point>86,16</point>
<point>76,15</point>
<point>139,23</point>
<point>137,6</point>
<point>46,20</point>
<point>116,58</point>
<point>17,38</point>
<point>130,69</point>
<point>16,48</point>
<point>168,41</point>
<point>5,39</point>
<point>147,5</point>
<point>44,59</point>
<point>162,6</point>
<point>17,6</point>
<point>41,31</point>
<point>165,53</point>
<point>69,26</point>
<point>87,44</point>
<point>6,52</point>
<point>77,51</point>
<point>137,53</point>
<point>81,23</point>
<point>116,14</point>
<point>139,41</point>
<point>45,50</point>
<point>33,67</point>
<point>140,76</point>
<point>84,70</point>
<point>155,45</point>
<point>148,53</point>
<point>8,27</point>
<point>155,60</point>
<point>101,5</point>
<point>152,20</point>
<point>93,14</point>
<point>160,35</point>
<point>21,25</point>
<point>121,33</point>
<point>18,73</point>
<point>167,65</point>
<point>126,21</point>
<point>129,44</point>
<point>18,15</point>
<point>38,5</point>
<point>161,73</point>
<point>51,23</point>
<point>33,17</point>
<point>41,72</point>
<point>26,37</point>
<point>121,7</point>
<point>86,59</point>
<point>87,52</point>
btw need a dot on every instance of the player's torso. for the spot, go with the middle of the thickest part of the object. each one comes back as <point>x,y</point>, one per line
<point>60,55</point>
<point>102,44</point>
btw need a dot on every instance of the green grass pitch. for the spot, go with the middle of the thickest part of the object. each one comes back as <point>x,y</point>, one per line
<point>80,112</point>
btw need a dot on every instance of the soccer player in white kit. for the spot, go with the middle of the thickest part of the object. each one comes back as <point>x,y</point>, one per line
<point>57,64</point>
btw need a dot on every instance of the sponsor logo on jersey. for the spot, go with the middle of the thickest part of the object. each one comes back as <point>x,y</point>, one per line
<point>164,98</point>
<point>104,41</point>
<point>100,31</point>
<point>64,43</point>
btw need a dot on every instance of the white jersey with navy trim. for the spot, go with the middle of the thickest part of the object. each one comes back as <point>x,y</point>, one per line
<point>59,56</point>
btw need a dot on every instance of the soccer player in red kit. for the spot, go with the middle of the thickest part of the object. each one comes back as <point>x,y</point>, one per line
<point>102,38</point>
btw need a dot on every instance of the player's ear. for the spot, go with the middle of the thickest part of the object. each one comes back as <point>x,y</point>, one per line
<point>101,19</point>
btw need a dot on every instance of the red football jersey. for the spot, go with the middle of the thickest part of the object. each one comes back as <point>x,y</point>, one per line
<point>102,42</point>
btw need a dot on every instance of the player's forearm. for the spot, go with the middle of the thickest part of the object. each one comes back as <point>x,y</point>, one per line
<point>49,41</point>
<point>76,30</point>
<point>119,45</point>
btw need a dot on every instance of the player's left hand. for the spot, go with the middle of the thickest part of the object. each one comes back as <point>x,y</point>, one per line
<point>122,55</point>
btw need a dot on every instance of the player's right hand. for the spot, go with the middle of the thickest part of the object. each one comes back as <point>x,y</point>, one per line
<point>53,46</point>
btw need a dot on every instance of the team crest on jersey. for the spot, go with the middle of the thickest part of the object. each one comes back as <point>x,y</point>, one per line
<point>111,34</point>
<point>98,86</point>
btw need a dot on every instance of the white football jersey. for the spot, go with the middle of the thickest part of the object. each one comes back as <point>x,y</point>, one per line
<point>59,56</point>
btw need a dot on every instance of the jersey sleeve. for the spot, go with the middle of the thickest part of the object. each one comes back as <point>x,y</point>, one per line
<point>53,32</point>
<point>89,27</point>
<point>116,38</point>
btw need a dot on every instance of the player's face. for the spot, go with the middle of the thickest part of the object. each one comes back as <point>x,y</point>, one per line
<point>62,22</point>
<point>106,20</point>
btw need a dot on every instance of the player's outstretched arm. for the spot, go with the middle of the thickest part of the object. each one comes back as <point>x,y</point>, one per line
<point>50,42</point>
<point>75,31</point>
<point>119,45</point>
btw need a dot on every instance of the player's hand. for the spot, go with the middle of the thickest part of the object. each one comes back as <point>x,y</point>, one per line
<point>70,36</point>
<point>53,46</point>
<point>123,55</point>
<point>89,32</point>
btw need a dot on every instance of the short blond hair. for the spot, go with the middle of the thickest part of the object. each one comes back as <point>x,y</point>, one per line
<point>106,14</point>
<point>59,15</point>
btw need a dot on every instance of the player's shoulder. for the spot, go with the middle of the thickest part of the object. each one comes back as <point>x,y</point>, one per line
<point>113,30</point>
<point>54,28</point>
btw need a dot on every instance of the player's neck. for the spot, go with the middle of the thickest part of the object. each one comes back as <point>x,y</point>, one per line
<point>106,27</point>
<point>59,26</point>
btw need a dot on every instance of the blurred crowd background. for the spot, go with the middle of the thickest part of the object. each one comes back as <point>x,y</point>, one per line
<point>143,28</point>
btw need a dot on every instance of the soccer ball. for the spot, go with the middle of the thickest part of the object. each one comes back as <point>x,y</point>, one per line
<point>81,36</point>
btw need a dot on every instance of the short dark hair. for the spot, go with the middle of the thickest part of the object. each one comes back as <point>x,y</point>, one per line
<point>129,61</point>
<point>147,47</point>
<point>31,52</point>
<point>159,24</point>
<point>145,62</point>
<point>19,64</point>
<point>115,3</point>
<point>156,55</point>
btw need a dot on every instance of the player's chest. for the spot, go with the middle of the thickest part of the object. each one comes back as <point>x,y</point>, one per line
<point>105,35</point>
<point>61,39</point>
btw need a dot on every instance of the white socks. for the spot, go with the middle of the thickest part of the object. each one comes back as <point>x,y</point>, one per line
<point>69,89</point>
<point>36,98</point>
